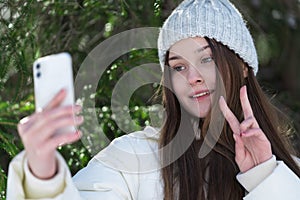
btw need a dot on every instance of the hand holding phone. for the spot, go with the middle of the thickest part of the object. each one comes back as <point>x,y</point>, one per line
<point>41,132</point>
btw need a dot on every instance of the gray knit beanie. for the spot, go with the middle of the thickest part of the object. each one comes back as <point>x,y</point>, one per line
<point>215,19</point>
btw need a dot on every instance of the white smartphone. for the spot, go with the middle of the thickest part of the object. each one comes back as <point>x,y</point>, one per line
<point>51,74</point>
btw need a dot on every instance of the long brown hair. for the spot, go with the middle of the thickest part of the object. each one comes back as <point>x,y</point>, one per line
<point>214,176</point>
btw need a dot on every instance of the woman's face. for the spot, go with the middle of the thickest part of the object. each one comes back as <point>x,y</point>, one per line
<point>193,75</point>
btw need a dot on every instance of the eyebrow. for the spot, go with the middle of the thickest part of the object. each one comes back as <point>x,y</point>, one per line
<point>196,51</point>
<point>201,49</point>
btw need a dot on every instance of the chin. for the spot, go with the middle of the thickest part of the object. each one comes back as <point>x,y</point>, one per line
<point>201,115</point>
<point>196,109</point>
<point>197,113</point>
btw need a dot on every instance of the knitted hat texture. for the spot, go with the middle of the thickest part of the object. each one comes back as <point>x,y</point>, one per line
<point>215,19</point>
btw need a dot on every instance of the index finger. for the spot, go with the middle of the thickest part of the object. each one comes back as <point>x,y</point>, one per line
<point>246,106</point>
<point>229,116</point>
<point>57,100</point>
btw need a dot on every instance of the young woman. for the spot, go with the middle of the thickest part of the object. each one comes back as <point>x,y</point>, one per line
<point>221,138</point>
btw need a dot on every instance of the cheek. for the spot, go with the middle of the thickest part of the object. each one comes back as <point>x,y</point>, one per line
<point>210,79</point>
<point>178,83</point>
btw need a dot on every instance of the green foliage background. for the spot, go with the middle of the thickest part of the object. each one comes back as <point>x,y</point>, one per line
<point>30,29</point>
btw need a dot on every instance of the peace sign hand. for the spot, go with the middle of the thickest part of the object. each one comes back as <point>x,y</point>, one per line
<point>251,144</point>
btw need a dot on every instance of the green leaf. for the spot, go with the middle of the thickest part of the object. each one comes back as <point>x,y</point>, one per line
<point>8,144</point>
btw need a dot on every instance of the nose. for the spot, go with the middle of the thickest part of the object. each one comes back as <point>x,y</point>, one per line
<point>194,77</point>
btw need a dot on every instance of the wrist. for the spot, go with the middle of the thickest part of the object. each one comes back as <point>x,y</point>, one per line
<point>43,169</point>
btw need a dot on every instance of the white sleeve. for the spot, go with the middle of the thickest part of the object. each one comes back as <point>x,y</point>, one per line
<point>93,182</point>
<point>270,180</point>
<point>35,188</point>
<point>253,177</point>
<point>22,184</point>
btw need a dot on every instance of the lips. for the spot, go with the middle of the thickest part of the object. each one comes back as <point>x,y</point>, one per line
<point>201,94</point>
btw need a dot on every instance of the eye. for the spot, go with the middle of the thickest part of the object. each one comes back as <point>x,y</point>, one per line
<point>207,59</point>
<point>179,68</point>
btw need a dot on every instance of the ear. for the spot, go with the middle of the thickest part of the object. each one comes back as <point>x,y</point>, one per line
<point>245,71</point>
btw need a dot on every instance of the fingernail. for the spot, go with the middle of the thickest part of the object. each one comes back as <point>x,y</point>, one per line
<point>222,100</point>
<point>234,137</point>
<point>61,144</point>
<point>62,91</point>
<point>24,120</point>
<point>245,87</point>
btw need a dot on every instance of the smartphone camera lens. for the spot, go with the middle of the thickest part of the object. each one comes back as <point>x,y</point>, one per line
<point>38,74</point>
<point>38,66</point>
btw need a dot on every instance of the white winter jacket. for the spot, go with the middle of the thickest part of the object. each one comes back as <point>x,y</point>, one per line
<point>129,169</point>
